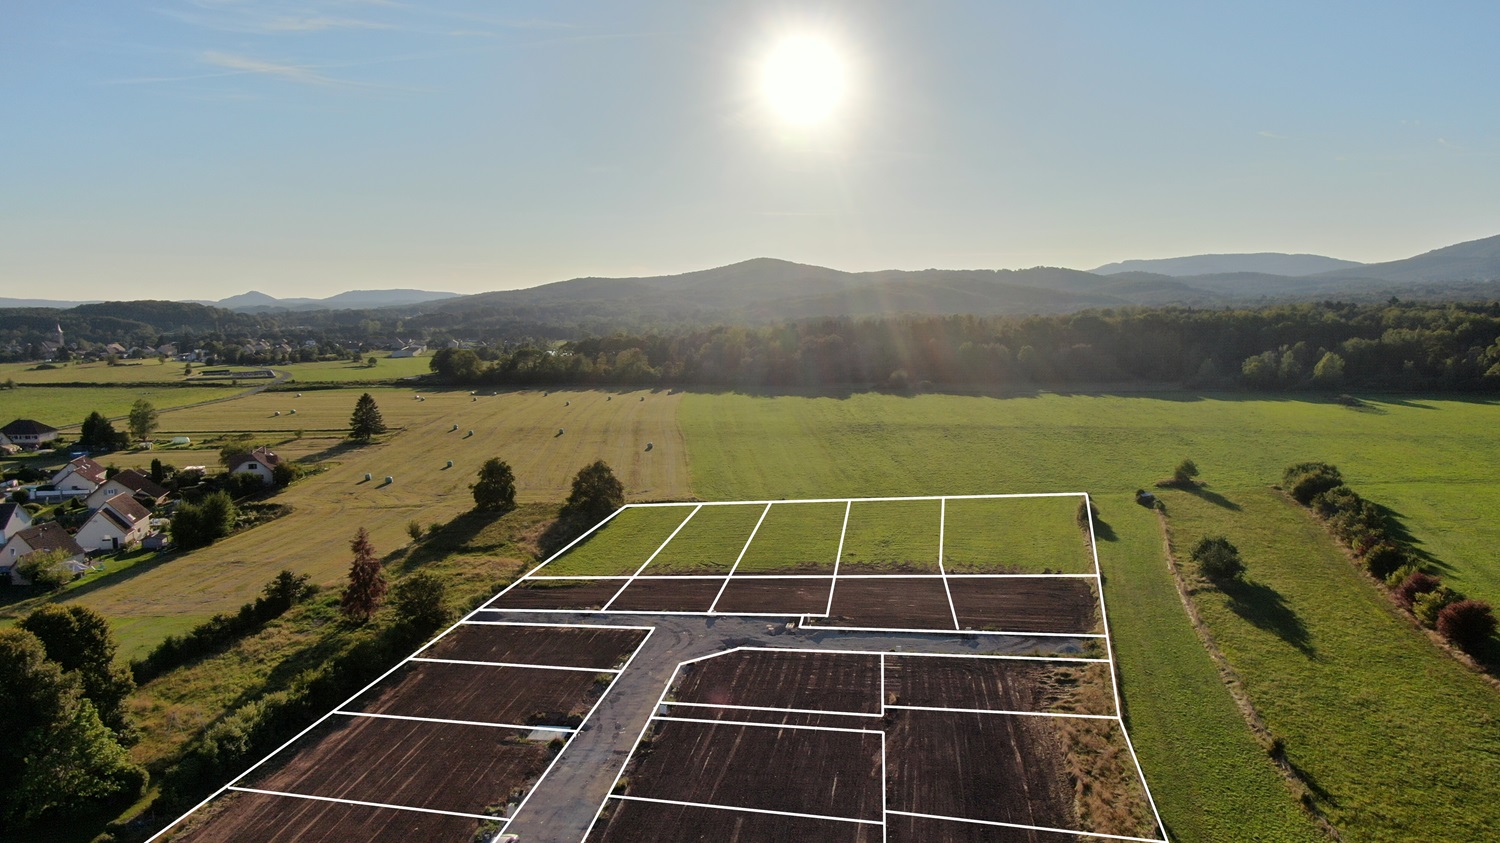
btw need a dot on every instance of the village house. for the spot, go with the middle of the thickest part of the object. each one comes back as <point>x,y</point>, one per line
<point>13,519</point>
<point>29,434</point>
<point>120,523</point>
<point>81,475</point>
<point>260,462</point>
<point>128,482</point>
<point>37,539</point>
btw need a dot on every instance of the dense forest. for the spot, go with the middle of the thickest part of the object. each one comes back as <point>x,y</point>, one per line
<point>1312,346</point>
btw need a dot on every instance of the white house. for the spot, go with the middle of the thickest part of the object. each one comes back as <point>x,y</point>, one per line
<point>29,434</point>
<point>81,475</point>
<point>13,519</point>
<point>259,462</point>
<point>41,537</point>
<point>128,482</point>
<point>120,523</point>
<point>408,351</point>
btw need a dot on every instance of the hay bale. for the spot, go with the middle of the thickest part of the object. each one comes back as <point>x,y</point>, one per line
<point>277,413</point>
<point>368,477</point>
<point>643,398</point>
<point>559,431</point>
<point>294,411</point>
<point>567,403</point>
<point>450,463</point>
<point>609,398</point>
<point>453,428</point>
<point>473,399</point>
<point>649,446</point>
<point>470,433</point>
<point>299,395</point>
<point>389,480</point>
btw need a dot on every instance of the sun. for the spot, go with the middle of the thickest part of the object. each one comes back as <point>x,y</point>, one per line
<point>804,80</point>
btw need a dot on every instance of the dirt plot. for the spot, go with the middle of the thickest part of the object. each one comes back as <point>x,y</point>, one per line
<point>649,822</point>
<point>785,679</point>
<point>1000,767</point>
<point>835,774</point>
<point>600,649</point>
<point>998,684</point>
<point>891,602</point>
<point>558,594</point>
<point>442,766</point>
<point>774,595</point>
<point>257,818</point>
<point>667,595</point>
<point>1025,604</point>
<point>901,829</point>
<point>776,718</point>
<point>529,696</point>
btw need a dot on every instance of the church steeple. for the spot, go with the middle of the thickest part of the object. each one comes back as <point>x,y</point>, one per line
<point>57,335</point>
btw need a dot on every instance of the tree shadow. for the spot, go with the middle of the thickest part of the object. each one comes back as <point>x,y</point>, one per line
<point>1397,529</point>
<point>1202,491</point>
<point>1104,532</point>
<point>1266,609</point>
<point>344,446</point>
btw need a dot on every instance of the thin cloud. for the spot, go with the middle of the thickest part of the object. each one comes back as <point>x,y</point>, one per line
<point>1272,135</point>
<point>320,24</point>
<point>304,74</point>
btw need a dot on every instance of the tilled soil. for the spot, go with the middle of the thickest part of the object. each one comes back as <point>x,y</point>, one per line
<point>648,822</point>
<point>576,594</point>
<point>785,679</point>
<point>891,603</point>
<point>1025,604</point>
<point>484,694</point>
<point>667,595</point>
<point>601,649</point>
<point>770,595</point>
<point>257,818</point>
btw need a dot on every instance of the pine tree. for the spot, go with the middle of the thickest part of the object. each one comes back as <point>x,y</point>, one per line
<point>366,421</point>
<point>366,582</point>
<point>496,488</point>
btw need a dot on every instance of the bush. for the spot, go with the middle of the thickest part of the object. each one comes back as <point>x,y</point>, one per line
<point>1333,501</point>
<point>44,569</point>
<point>1428,606</point>
<point>1217,558</point>
<point>1184,473</point>
<point>1467,623</point>
<point>1306,480</point>
<point>1087,513</point>
<point>421,601</point>
<point>414,530</point>
<point>1415,585</point>
<point>202,524</point>
<point>1385,559</point>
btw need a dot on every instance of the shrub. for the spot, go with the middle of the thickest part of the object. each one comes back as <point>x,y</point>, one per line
<point>1428,606</point>
<point>414,530</point>
<point>45,570</point>
<point>421,600</point>
<point>1384,559</point>
<point>1394,579</point>
<point>1333,501</point>
<point>1414,585</point>
<point>1087,513</point>
<point>1467,623</point>
<point>1185,472</point>
<point>1306,480</point>
<point>1217,558</point>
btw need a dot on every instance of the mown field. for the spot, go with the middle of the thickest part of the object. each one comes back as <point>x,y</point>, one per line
<point>151,371</point>
<point>64,407</point>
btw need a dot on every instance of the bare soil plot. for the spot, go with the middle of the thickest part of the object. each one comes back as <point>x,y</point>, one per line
<point>238,817</point>
<point>775,595</point>
<point>524,696</point>
<point>1015,536</point>
<point>442,766</point>
<point>667,595</point>
<point>795,538</point>
<point>620,547</point>
<point>901,829</point>
<point>1000,767</point>
<point>558,594</point>
<point>998,684</point>
<point>1025,604</point>
<point>653,822</point>
<point>601,649</point>
<point>892,603</point>
<point>709,543</point>
<point>892,537</point>
<point>776,718</point>
<point>785,679</point>
<point>835,774</point>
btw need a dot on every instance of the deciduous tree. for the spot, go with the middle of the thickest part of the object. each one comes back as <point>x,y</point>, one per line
<point>143,420</point>
<point>496,488</point>
<point>80,641</point>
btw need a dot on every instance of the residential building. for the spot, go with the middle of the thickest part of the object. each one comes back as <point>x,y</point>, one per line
<point>120,523</point>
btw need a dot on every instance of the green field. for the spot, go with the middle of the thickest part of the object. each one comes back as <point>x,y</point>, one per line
<point>796,538</point>
<point>128,372</point>
<point>892,537</point>
<point>621,546</point>
<point>709,543</point>
<point>64,407</point>
<point>344,371</point>
<point>1014,535</point>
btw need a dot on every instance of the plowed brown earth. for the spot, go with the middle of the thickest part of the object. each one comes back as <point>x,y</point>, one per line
<point>785,679</point>
<point>891,603</point>
<point>441,766</point>
<point>901,829</point>
<point>767,595</point>
<point>600,649</point>
<point>650,822</point>
<point>525,696</point>
<point>257,818</point>
<point>996,684</point>
<point>787,718</point>
<point>667,595</point>
<point>835,774</point>
<point>555,594</point>
<point>999,767</point>
<point>1025,604</point>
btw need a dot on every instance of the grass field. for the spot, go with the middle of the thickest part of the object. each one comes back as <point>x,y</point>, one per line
<point>63,407</point>
<point>344,371</point>
<point>620,547</point>
<point>892,536</point>
<point>144,371</point>
<point>798,538</point>
<point>1014,535</point>
<point>709,543</point>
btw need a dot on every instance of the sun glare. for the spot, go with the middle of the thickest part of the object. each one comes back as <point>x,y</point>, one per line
<point>804,80</point>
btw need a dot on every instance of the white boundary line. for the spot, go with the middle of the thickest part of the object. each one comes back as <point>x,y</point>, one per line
<point>762,575</point>
<point>547,625</point>
<point>367,804</point>
<point>737,559</point>
<point>1031,827</point>
<point>513,726</point>
<point>737,808</point>
<point>567,547</point>
<point>928,631</point>
<point>942,525</point>
<point>659,549</point>
<point>460,622</point>
<point>841,500</point>
<point>519,664</point>
<point>988,711</point>
<point>667,718</point>
<point>608,794</point>
<point>843,531</point>
<point>894,655</point>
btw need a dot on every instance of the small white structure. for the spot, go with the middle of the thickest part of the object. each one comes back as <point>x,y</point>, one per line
<point>119,524</point>
<point>181,440</point>
<point>260,462</point>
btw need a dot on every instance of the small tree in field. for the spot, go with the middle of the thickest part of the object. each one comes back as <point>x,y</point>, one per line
<point>1466,623</point>
<point>1184,473</point>
<point>596,493</point>
<point>143,420</point>
<point>366,421</point>
<point>421,600</point>
<point>366,581</point>
<point>496,488</point>
<point>1218,559</point>
<point>414,530</point>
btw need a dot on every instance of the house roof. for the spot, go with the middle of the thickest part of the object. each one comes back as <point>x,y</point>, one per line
<point>49,536</point>
<point>124,511</point>
<point>85,467</point>
<point>260,454</point>
<point>8,511</point>
<point>27,427</point>
<point>139,483</point>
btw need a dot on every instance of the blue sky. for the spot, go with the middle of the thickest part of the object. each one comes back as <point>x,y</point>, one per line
<point>200,148</point>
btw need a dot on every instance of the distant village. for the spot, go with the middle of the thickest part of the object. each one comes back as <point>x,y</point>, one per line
<point>58,348</point>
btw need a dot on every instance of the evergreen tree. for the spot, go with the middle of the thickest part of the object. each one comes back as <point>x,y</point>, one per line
<point>80,641</point>
<point>99,434</point>
<point>366,582</point>
<point>143,420</point>
<point>496,488</point>
<point>366,421</point>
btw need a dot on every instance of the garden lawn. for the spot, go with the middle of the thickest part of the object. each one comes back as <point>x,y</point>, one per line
<point>892,537</point>
<point>1015,535</point>
<point>709,543</point>
<point>800,538</point>
<point>621,546</point>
